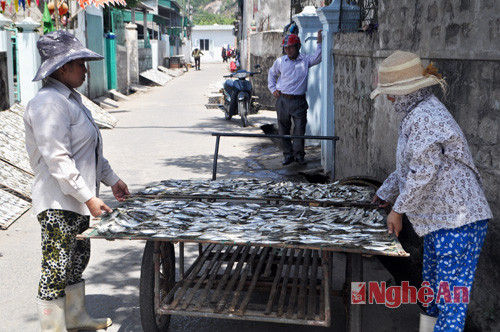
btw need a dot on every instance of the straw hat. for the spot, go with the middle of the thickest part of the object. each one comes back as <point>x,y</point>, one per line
<point>58,48</point>
<point>402,73</point>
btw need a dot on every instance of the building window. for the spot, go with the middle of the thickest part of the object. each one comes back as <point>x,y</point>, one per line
<point>204,44</point>
<point>368,11</point>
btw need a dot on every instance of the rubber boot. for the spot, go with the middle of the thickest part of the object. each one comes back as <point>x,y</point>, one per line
<point>51,315</point>
<point>77,317</point>
<point>427,323</point>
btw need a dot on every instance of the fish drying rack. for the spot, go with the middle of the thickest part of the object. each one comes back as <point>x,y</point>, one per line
<point>276,282</point>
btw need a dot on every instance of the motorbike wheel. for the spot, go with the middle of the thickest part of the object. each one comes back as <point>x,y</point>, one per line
<point>227,113</point>
<point>243,110</point>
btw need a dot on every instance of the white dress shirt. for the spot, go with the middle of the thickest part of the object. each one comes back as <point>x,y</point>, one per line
<point>65,149</point>
<point>290,76</point>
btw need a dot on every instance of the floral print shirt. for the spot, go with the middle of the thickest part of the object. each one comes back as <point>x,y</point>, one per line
<point>435,182</point>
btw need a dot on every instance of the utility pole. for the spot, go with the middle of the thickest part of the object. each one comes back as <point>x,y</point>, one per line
<point>56,14</point>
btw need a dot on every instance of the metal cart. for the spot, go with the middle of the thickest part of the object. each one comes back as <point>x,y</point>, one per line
<point>274,282</point>
<point>270,282</point>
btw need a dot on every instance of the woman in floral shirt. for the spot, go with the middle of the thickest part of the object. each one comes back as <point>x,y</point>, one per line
<point>436,185</point>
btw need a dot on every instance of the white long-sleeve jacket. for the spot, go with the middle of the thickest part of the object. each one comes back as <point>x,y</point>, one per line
<point>65,149</point>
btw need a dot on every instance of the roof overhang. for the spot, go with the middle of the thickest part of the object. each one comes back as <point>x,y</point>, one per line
<point>140,5</point>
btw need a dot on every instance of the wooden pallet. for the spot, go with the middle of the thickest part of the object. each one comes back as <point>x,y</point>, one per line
<point>281,285</point>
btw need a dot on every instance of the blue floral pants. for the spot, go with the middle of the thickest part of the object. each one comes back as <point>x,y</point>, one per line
<point>64,258</point>
<point>450,260</point>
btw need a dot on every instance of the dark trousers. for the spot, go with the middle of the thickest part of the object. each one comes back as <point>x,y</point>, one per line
<point>197,63</point>
<point>288,110</point>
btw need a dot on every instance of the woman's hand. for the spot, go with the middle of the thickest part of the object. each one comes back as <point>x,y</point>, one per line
<point>97,206</point>
<point>120,189</point>
<point>394,223</point>
<point>381,203</point>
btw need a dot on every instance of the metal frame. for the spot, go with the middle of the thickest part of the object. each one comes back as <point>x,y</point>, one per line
<point>296,283</point>
<point>242,270</point>
<point>240,278</point>
<point>286,280</point>
<point>225,280</point>
<point>334,139</point>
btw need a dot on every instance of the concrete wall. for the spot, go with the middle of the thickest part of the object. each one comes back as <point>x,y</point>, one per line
<point>145,59</point>
<point>265,50</point>
<point>187,49</point>
<point>80,34</point>
<point>163,49</point>
<point>463,39</point>
<point>28,66</point>
<point>309,24</point>
<point>131,45</point>
<point>6,46</point>
<point>270,16</point>
<point>219,36</point>
<point>97,72</point>
<point>121,69</point>
<point>4,82</point>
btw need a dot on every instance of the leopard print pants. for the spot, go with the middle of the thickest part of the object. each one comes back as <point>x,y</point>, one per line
<point>64,258</point>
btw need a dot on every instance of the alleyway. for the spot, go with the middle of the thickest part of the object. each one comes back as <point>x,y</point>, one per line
<point>164,133</point>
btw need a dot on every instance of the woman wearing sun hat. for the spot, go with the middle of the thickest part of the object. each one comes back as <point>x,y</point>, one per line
<point>435,184</point>
<point>65,149</point>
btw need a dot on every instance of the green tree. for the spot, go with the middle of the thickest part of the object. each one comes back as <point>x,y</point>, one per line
<point>206,18</point>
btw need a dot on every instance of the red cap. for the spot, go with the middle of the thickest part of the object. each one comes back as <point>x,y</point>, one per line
<point>290,40</point>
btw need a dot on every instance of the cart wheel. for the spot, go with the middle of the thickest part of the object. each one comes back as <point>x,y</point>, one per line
<point>151,321</point>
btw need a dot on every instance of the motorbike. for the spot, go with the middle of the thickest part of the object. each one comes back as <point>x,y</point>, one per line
<point>237,94</point>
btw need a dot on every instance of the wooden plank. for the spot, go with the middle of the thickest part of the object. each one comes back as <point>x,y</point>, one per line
<point>293,296</point>
<point>202,278</point>
<point>354,272</point>
<point>311,304</point>
<point>227,273</point>
<point>191,277</point>
<point>234,278</point>
<point>325,285</point>
<point>277,277</point>
<point>303,285</point>
<point>256,274</point>
<point>267,270</point>
<point>397,251</point>
<point>284,284</point>
<point>243,278</point>
<point>268,200</point>
<point>213,275</point>
<point>250,315</point>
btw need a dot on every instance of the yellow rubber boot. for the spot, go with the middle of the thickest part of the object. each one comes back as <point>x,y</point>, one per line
<point>427,323</point>
<point>77,317</point>
<point>51,315</point>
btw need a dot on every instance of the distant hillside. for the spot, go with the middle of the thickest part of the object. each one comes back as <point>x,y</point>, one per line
<point>206,12</point>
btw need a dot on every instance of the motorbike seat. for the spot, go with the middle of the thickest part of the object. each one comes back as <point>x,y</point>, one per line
<point>229,85</point>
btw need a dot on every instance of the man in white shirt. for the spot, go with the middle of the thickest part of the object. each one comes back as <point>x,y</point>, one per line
<point>287,80</point>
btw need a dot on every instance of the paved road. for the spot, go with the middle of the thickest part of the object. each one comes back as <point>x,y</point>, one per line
<point>163,133</point>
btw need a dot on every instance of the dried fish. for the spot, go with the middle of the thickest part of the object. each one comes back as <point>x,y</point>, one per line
<point>250,222</point>
<point>11,208</point>
<point>254,188</point>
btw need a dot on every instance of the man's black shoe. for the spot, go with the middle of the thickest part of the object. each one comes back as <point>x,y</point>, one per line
<point>287,161</point>
<point>301,161</point>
